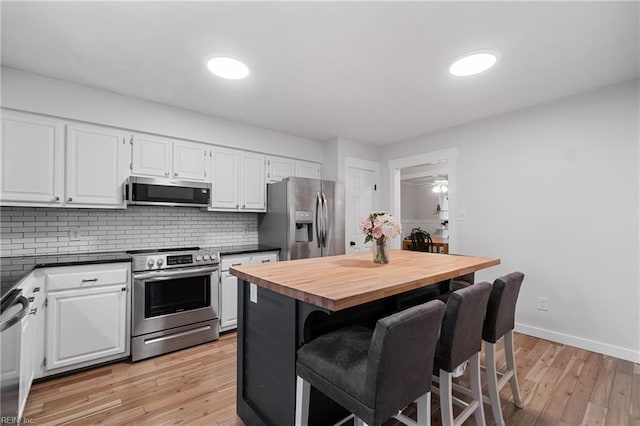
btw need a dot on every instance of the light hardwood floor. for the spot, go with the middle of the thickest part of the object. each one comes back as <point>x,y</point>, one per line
<point>560,385</point>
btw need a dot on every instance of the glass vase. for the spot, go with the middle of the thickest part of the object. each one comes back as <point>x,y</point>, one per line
<point>381,251</point>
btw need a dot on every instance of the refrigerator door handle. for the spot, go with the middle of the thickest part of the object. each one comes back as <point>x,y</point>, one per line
<point>325,220</point>
<point>318,223</point>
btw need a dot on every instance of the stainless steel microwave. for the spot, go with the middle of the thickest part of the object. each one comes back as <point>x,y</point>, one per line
<point>167,192</point>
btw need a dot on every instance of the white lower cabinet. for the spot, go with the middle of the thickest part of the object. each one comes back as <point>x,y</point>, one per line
<point>229,284</point>
<point>87,315</point>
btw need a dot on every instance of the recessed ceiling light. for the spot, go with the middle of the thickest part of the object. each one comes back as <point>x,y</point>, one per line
<point>473,63</point>
<point>228,68</point>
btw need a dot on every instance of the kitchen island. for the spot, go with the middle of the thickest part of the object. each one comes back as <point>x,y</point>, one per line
<point>283,305</point>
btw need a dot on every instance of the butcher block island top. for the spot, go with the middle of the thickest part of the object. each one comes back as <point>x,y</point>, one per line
<point>339,282</point>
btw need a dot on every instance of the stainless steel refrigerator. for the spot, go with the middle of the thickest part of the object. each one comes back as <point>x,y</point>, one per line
<point>305,218</point>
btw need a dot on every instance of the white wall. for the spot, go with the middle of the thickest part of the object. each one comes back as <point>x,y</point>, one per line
<point>418,206</point>
<point>336,149</point>
<point>535,184</point>
<point>30,92</point>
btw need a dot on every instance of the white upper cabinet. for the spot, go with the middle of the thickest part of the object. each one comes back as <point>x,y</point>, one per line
<point>31,160</point>
<point>308,169</point>
<point>190,160</point>
<point>150,156</point>
<point>253,186</point>
<point>162,157</point>
<point>238,181</point>
<point>97,166</point>
<point>279,168</point>
<point>225,174</point>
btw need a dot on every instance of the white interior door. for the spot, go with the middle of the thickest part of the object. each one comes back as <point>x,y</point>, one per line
<point>361,199</point>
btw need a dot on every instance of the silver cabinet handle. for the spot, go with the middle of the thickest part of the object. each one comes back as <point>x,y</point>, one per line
<point>69,199</point>
<point>56,199</point>
<point>266,260</point>
<point>236,264</point>
<point>237,205</point>
<point>175,174</point>
<point>123,289</point>
<point>31,299</point>
<point>89,280</point>
<point>33,311</point>
<point>36,289</point>
<point>244,206</point>
<point>166,173</point>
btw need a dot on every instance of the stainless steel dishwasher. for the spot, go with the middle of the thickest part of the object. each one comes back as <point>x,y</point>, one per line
<point>13,308</point>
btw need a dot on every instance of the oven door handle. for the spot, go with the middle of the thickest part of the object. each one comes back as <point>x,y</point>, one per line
<point>170,275</point>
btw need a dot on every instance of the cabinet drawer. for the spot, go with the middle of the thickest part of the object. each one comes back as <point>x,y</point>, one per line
<point>66,277</point>
<point>264,258</point>
<point>233,260</point>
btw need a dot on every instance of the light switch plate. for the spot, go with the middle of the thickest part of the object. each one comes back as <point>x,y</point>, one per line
<point>461,215</point>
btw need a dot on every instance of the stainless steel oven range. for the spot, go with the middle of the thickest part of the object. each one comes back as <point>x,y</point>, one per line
<point>175,300</point>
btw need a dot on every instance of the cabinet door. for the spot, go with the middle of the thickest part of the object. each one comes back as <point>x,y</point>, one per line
<point>85,325</point>
<point>31,159</point>
<point>228,301</point>
<point>279,168</point>
<point>97,162</point>
<point>253,183</point>
<point>307,169</point>
<point>189,160</point>
<point>225,192</point>
<point>27,346</point>
<point>150,156</point>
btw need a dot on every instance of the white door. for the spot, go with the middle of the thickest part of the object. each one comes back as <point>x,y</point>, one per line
<point>190,160</point>
<point>225,175</point>
<point>307,169</point>
<point>254,188</point>
<point>97,162</point>
<point>150,156</point>
<point>228,301</point>
<point>361,192</point>
<point>31,159</point>
<point>279,168</point>
<point>85,324</point>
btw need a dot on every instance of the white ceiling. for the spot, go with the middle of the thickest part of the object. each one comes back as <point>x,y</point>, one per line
<point>374,72</point>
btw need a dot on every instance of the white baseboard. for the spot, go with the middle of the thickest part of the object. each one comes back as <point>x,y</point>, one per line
<point>579,342</point>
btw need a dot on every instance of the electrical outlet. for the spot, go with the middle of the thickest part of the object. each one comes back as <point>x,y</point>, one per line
<point>74,234</point>
<point>461,215</point>
<point>246,228</point>
<point>543,303</point>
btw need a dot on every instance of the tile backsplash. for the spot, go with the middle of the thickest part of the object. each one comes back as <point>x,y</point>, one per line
<point>29,230</point>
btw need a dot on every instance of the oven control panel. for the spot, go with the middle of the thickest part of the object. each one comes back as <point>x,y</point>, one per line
<point>155,261</point>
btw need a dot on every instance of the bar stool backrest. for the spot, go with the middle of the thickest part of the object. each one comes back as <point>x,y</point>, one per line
<point>461,332</point>
<point>401,357</point>
<point>501,308</point>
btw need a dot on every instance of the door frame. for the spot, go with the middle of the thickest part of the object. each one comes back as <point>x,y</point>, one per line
<point>397,164</point>
<point>360,164</point>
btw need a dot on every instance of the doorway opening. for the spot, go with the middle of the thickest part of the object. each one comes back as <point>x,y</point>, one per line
<point>428,167</point>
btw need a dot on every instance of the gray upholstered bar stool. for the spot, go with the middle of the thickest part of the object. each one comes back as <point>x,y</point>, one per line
<point>461,340</point>
<point>373,373</point>
<point>499,322</point>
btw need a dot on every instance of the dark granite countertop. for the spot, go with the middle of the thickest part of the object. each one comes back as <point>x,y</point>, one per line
<point>225,250</point>
<point>14,269</point>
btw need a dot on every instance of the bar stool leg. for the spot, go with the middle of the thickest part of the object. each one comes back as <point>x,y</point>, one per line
<point>303,390</point>
<point>511,365</point>
<point>424,410</point>
<point>358,422</point>
<point>446,398</point>
<point>476,388</point>
<point>492,382</point>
